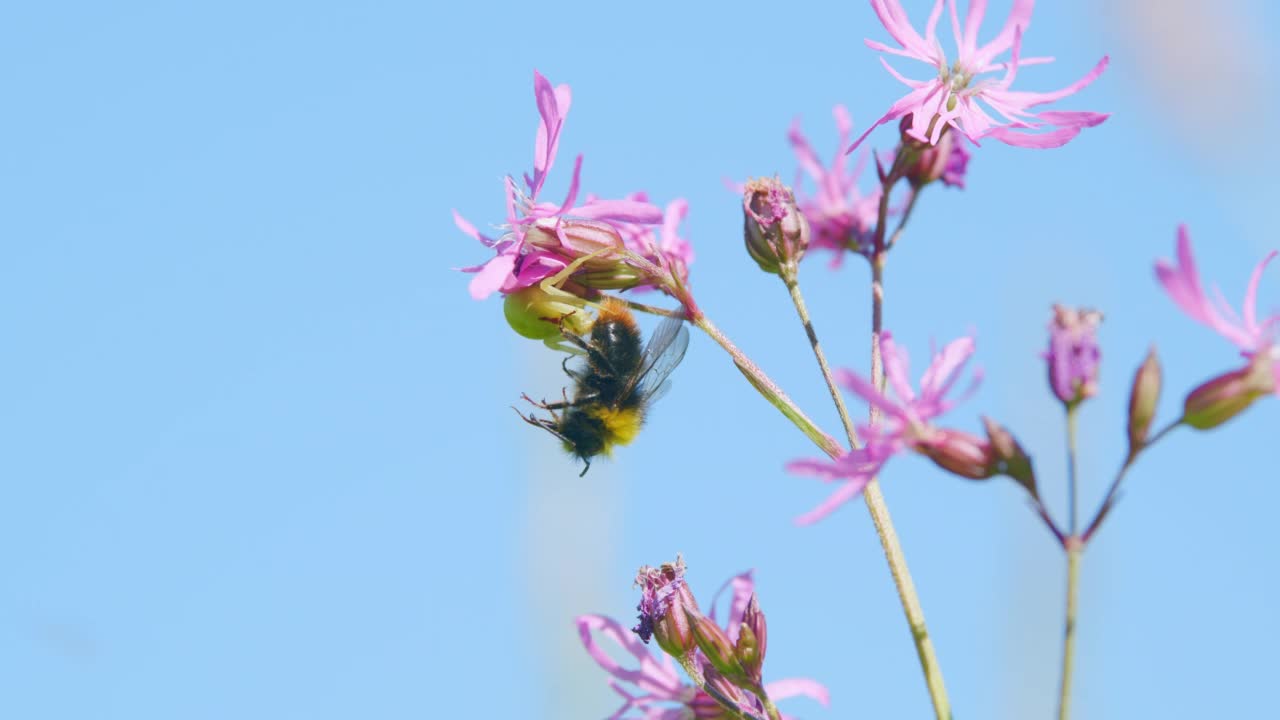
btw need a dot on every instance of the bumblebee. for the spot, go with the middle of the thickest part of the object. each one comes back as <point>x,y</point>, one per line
<point>615,385</point>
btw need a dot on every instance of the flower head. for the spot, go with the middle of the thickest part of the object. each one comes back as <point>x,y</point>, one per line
<point>665,605</point>
<point>1254,338</point>
<point>653,689</point>
<point>776,232</point>
<point>1074,357</point>
<point>907,423</point>
<point>517,263</point>
<point>952,97</point>
<point>842,217</point>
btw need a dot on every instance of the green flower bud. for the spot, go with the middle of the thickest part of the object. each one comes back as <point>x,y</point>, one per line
<point>1142,401</point>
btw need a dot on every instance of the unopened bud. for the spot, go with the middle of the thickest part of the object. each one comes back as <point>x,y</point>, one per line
<point>1226,396</point>
<point>665,606</point>
<point>753,640</point>
<point>924,163</point>
<point>775,230</point>
<point>1074,357</point>
<point>705,707</point>
<point>721,700</point>
<point>960,453</point>
<point>1142,401</point>
<point>540,314</point>
<point>1011,459</point>
<point>716,647</point>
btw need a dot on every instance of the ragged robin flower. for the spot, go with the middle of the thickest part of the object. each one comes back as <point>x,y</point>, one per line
<point>1221,398</point>
<point>907,423</point>
<point>541,238</point>
<point>959,96</point>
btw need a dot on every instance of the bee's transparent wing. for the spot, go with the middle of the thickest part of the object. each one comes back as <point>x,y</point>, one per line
<point>661,355</point>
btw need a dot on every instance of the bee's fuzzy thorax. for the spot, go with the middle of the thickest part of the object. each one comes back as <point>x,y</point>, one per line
<point>613,310</point>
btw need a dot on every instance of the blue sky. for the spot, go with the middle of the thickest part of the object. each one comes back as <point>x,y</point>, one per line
<point>259,459</point>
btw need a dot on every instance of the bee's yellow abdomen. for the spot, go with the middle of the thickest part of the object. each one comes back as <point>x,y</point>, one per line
<point>621,425</point>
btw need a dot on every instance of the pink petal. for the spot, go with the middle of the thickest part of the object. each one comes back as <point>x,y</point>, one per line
<point>896,367</point>
<point>1019,18</point>
<point>864,389</point>
<point>491,276</point>
<point>627,211</point>
<point>796,687</point>
<point>1251,295</point>
<point>652,677</point>
<point>844,494</point>
<point>743,585</point>
<point>944,369</point>
<point>826,471</point>
<point>908,103</point>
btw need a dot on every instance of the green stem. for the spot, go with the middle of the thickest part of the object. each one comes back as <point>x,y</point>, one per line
<point>793,287</point>
<point>1074,550</point>
<point>1112,493</point>
<point>766,387</point>
<point>691,669</point>
<point>874,499</point>
<point>769,707</point>
<point>1071,469</point>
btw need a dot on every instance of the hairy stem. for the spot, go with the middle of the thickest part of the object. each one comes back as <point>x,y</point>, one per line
<point>793,286</point>
<point>1071,470</point>
<point>879,510</point>
<point>1074,550</point>
<point>766,387</point>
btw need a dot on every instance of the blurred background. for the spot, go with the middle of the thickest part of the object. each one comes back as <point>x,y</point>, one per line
<point>258,459</point>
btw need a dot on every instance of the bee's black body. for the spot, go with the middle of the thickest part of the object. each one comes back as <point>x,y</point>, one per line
<point>614,386</point>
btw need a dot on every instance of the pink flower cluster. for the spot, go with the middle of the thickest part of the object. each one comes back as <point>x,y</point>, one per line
<point>626,223</point>
<point>652,689</point>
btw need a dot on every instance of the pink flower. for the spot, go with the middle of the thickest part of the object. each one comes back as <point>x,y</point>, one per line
<point>907,422</point>
<point>841,217</point>
<point>951,97</point>
<point>516,265</point>
<point>1254,338</point>
<point>653,689</point>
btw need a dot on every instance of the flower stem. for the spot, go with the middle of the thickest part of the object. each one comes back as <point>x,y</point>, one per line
<point>879,510</point>
<point>1074,549</point>
<point>766,387</point>
<point>1071,469</point>
<point>1112,493</point>
<point>769,707</point>
<point>793,287</point>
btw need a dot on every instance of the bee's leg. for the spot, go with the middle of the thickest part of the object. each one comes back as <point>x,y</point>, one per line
<point>585,469</point>
<point>576,374</point>
<point>539,422</point>
<point>594,356</point>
